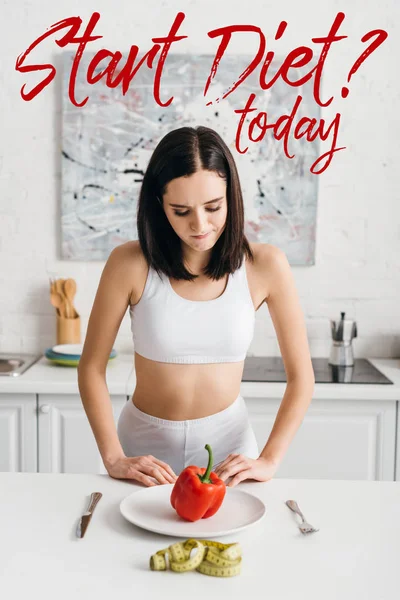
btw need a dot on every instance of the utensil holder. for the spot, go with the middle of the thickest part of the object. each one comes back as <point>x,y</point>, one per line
<point>68,330</point>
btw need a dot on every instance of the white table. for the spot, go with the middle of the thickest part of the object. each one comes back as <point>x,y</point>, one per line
<point>354,556</point>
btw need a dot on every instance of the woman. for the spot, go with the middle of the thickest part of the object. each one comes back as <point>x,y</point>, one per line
<point>192,283</point>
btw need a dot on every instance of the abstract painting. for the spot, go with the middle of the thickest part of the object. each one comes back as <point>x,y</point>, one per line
<point>106,146</point>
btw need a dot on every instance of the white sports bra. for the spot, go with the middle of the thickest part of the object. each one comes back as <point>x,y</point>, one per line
<point>169,328</point>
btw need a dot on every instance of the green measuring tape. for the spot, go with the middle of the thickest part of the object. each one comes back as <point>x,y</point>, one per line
<point>211,558</point>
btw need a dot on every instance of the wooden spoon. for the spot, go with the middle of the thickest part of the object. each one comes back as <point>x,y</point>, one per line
<point>60,290</point>
<point>57,302</point>
<point>70,291</point>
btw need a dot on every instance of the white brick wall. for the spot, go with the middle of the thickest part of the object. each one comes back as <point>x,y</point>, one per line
<point>358,232</point>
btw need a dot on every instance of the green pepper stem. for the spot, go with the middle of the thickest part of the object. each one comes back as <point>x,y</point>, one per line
<point>206,477</point>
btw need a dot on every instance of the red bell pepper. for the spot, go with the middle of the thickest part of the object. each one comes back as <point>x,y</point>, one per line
<point>198,493</point>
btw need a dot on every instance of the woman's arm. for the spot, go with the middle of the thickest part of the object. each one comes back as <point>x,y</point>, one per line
<point>288,320</point>
<point>287,316</point>
<point>109,307</point>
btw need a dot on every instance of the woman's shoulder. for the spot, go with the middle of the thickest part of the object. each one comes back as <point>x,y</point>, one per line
<point>128,257</point>
<point>267,256</point>
<point>128,252</point>
<point>270,266</point>
<point>132,265</point>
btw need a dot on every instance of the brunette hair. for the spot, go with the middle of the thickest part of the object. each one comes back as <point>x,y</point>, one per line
<point>181,153</point>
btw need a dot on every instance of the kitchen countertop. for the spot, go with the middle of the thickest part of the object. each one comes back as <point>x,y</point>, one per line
<point>354,555</point>
<point>46,378</point>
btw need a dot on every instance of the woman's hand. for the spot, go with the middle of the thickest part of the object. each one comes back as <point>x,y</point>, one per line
<point>242,467</point>
<point>142,469</point>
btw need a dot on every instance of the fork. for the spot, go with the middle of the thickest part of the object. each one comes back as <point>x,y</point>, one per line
<point>304,527</point>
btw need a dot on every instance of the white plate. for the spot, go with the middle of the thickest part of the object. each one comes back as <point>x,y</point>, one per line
<point>151,509</point>
<point>68,349</point>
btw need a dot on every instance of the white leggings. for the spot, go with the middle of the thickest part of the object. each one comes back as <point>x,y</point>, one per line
<point>181,443</point>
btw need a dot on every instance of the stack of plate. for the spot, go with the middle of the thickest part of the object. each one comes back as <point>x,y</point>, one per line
<point>68,354</point>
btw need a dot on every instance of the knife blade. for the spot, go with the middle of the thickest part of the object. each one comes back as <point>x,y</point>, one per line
<point>86,517</point>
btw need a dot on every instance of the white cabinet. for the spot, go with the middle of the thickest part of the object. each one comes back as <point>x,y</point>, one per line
<point>66,441</point>
<point>18,434</point>
<point>338,439</point>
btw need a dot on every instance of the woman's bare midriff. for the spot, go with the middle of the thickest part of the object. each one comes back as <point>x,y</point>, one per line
<point>179,392</point>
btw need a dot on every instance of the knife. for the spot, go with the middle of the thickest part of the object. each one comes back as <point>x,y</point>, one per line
<point>85,518</point>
